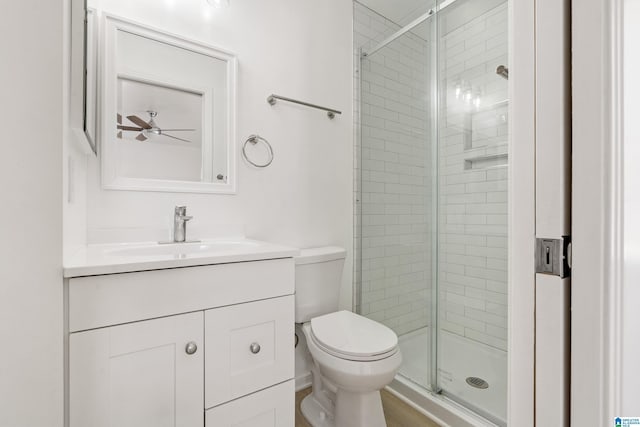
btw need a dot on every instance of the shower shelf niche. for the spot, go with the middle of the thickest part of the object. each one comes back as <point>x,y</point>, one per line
<point>486,157</point>
<point>486,162</point>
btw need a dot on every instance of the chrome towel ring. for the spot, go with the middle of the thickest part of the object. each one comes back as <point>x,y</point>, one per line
<point>254,139</point>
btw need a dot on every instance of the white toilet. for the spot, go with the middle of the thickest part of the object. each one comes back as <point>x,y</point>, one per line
<point>354,357</point>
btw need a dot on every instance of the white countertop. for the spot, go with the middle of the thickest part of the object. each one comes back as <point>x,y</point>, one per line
<point>128,257</point>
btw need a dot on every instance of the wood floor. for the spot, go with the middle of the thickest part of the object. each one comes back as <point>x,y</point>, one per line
<point>397,413</point>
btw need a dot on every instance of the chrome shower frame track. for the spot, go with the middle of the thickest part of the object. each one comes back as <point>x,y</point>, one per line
<point>410,26</point>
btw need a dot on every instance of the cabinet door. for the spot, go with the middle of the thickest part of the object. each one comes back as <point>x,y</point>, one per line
<point>273,407</point>
<point>138,374</point>
<point>249,347</point>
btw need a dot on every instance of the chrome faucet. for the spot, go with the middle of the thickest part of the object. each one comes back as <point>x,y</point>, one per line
<point>180,219</point>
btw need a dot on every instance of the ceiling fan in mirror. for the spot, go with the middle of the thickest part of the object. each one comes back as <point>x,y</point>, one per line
<point>147,129</point>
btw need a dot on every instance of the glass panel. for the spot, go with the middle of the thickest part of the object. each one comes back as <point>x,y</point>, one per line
<point>431,215</point>
<point>396,186</point>
<point>472,203</point>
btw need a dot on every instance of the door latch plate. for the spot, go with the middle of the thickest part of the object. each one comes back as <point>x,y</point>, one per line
<point>553,256</point>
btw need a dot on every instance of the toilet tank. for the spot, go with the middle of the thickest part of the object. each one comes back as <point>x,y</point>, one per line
<point>318,279</point>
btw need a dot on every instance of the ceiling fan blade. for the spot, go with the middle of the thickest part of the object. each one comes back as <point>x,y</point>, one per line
<point>137,120</point>
<point>121,127</point>
<point>141,138</point>
<point>179,130</point>
<point>119,118</point>
<point>175,137</point>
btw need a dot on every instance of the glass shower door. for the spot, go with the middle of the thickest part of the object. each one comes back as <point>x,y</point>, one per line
<point>395,188</point>
<point>431,217</point>
<point>472,148</point>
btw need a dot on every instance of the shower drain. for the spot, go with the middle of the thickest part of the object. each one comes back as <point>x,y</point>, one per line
<point>477,382</point>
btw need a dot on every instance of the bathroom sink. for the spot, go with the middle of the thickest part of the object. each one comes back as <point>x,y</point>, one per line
<point>142,256</point>
<point>183,249</point>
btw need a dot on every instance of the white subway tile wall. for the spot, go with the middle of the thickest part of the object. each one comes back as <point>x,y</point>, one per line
<point>393,174</point>
<point>473,134</point>
<point>394,182</point>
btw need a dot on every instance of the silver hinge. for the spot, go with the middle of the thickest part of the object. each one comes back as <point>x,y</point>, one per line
<point>553,256</point>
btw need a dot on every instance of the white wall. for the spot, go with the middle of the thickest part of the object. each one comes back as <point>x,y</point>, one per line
<point>31,364</point>
<point>297,49</point>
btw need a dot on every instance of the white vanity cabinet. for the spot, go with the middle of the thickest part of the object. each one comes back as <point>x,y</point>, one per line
<point>148,373</point>
<point>272,407</point>
<point>249,348</point>
<point>171,347</point>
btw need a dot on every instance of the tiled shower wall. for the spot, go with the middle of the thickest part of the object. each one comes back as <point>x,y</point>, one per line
<point>393,177</point>
<point>473,138</point>
<point>395,183</point>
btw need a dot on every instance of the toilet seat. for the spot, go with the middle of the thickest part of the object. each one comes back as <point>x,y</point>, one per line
<point>349,336</point>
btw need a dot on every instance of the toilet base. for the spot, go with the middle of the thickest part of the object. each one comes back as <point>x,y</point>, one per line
<point>315,414</point>
<point>352,410</point>
<point>359,409</point>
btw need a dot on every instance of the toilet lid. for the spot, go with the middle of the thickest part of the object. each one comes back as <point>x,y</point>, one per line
<point>348,334</point>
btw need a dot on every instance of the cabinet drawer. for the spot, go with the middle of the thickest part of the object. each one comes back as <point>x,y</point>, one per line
<point>273,407</point>
<point>98,301</point>
<point>249,347</point>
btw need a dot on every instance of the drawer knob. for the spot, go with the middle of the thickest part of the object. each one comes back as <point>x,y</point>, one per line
<point>191,347</point>
<point>255,348</point>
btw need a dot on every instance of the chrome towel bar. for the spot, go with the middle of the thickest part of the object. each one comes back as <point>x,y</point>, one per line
<point>330,111</point>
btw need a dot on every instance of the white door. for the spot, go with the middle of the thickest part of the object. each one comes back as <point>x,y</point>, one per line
<point>553,211</point>
<point>138,374</point>
<point>540,191</point>
<point>605,344</point>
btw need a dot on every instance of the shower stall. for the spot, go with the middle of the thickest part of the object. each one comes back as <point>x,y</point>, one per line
<point>431,192</point>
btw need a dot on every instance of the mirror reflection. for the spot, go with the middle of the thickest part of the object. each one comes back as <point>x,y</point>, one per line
<point>171,118</point>
<point>166,105</point>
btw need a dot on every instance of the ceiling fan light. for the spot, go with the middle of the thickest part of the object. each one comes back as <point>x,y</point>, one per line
<point>218,3</point>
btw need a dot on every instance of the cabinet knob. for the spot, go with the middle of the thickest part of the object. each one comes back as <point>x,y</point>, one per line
<point>191,347</point>
<point>255,348</point>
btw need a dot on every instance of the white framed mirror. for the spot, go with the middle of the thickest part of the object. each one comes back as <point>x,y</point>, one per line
<point>167,111</point>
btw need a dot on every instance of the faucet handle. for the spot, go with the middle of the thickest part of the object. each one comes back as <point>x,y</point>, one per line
<point>180,219</point>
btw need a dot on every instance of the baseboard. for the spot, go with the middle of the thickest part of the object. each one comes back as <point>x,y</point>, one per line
<point>303,381</point>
